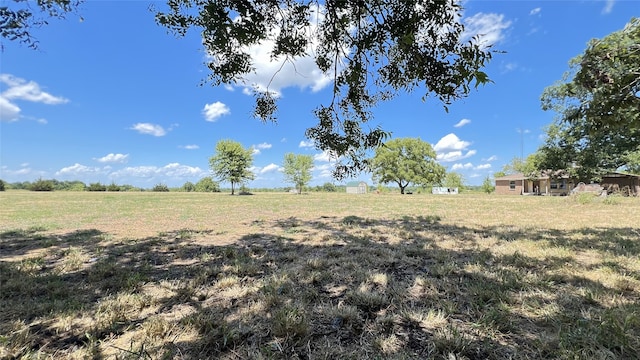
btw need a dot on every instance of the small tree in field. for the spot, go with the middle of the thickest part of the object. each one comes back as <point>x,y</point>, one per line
<point>231,163</point>
<point>329,187</point>
<point>96,187</point>
<point>454,180</point>
<point>160,188</point>
<point>188,187</point>
<point>297,169</point>
<point>406,161</point>
<point>2,186</point>
<point>487,185</point>
<point>207,184</point>
<point>42,185</point>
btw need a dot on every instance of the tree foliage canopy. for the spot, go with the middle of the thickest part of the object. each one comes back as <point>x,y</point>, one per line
<point>528,166</point>
<point>406,161</point>
<point>231,163</point>
<point>454,180</point>
<point>18,20</point>
<point>297,169</point>
<point>206,184</point>
<point>487,185</point>
<point>598,103</point>
<point>371,49</point>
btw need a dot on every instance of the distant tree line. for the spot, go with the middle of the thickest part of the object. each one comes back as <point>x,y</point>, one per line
<point>206,184</point>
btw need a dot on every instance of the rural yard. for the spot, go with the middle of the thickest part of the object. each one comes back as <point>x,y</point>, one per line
<point>173,275</point>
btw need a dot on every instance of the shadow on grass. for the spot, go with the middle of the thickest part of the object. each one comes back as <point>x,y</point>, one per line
<point>347,287</point>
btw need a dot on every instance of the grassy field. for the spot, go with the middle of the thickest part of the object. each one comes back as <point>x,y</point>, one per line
<point>318,276</point>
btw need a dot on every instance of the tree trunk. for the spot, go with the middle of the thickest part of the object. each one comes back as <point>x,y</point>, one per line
<point>232,188</point>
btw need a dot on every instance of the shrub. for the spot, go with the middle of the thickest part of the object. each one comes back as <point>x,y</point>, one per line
<point>487,185</point>
<point>96,187</point>
<point>2,185</point>
<point>329,187</point>
<point>584,198</point>
<point>207,185</point>
<point>42,185</point>
<point>244,190</point>
<point>612,199</point>
<point>160,188</point>
<point>113,187</point>
<point>79,186</point>
<point>188,187</point>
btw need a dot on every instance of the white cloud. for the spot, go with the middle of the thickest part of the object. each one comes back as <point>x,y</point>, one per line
<point>451,142</point>
<point>263,146</point>
<point>488,27</point>
<point>24,170</point>
<point>525,131</point>
<point>462,166</point>
<point>190,147</point>
<point>325,170</point>
<point>149,129</point>
<point>113,158</point>
<point>483,167</point>
<point>455,155</point>
<point>20,89</point>
<point>256,148</point>
<point>508,67</point>
<point>278,73</point>
<point>306,144</point>
<point>215,110</point>
<point>8,110</point>
<point>80,170</point>
<point>324,156</point>
<point>462,123</point>
<point>171,171</point>
<point>608,7</point>
<point>269,168</point>
<point>178,170</point>
<point>535,11</point>
<point>451,148</point>
<point>491,158</point>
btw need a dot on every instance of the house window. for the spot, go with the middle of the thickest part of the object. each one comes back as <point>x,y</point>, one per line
<point>562,184</point>
<point>512,185</point>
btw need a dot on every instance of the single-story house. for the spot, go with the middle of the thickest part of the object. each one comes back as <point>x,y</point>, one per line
<point>519,184</point>
<point>357,187</point>
<point>629,184</point>
<point>441,190</point>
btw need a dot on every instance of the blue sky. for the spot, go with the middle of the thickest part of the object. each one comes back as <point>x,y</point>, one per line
<point>115,98</point>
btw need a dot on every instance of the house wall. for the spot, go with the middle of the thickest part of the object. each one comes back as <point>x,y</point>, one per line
<point>503,187</point>
<point>438,190</point>
<point>360,189</point>
<point>545,187</point>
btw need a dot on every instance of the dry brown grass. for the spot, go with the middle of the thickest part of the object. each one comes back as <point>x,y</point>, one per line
<point>190,276</point>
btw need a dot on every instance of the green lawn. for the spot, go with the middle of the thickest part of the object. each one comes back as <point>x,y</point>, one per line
<point>191,276</point>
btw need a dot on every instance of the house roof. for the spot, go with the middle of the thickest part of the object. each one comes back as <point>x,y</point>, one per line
<point>620,174</point>
<point>517,176</point>
<point>521,176</point>
<point>355,183</point>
